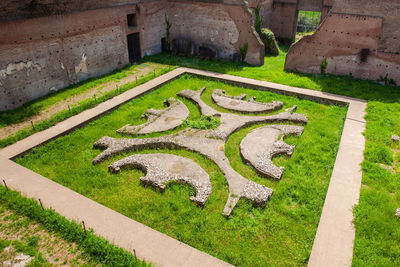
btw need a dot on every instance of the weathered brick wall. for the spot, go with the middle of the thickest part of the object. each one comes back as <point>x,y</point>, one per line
<point>41,55</point>
<point>281,15</point>
<point>152,26</point>
<point>358,38</point>
<point>41,52</point>
<point>221,26</point>
<point>24,9</point>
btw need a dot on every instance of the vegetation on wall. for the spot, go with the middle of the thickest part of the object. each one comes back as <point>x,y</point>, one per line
<point>323,65</point>
<point>257,19</point>
<point>168,26</point>
<point>243,51</point>
<point>268,38</point>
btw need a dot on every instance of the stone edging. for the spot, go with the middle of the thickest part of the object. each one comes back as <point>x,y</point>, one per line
<point>333,244</point>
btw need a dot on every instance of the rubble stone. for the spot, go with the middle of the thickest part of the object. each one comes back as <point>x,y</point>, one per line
<point>237,103</point>
<point>160,120</point>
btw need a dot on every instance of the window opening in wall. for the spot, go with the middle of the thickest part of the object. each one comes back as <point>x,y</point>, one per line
<point>132,20</point>
<point>307,23</point>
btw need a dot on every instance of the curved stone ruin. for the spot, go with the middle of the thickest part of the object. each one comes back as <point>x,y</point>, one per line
<point>209,143</point>
<point>163,168</point>
<point>160,120</point>
<point>261,145</point>
<point>237,103</point>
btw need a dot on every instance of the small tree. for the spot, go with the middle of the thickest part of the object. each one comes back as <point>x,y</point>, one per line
<point>168,33</point>
<point>257,20</point>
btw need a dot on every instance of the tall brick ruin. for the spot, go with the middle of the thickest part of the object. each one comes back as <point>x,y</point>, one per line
<point>46,45</point>
<point>360,38</point>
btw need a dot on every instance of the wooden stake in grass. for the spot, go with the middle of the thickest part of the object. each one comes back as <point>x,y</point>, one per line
<point>69,108</point>
<point>33,126</point>
<point>134,252</point>
<point>84,227</point>
<point>41,204</point>
<point>5,184</point>
<point>95,99</point>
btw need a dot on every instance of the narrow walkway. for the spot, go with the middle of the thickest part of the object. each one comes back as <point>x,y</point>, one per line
<point>333,245</point>
<point>73,100</point>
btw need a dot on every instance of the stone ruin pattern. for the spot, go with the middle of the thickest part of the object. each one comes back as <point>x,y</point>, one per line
<point>237,103</point>
<point>163,168</point>
<point>209,143</point>
<point>160,120</point>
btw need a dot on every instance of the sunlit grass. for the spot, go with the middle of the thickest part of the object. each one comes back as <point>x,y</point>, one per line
<point>279,235</point>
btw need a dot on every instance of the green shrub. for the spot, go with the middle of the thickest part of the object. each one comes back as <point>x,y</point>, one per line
<point>204,122</point>
<point>3,244</point>
<point>323,65</point>
<point>257,20</point>
<point>268,35</point>
<point>243,51</point>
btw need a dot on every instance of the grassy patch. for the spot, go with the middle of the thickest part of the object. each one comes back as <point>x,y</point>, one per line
<point>280,235</point>
<point>377,229</point>
<point>28,211</point>
<point>272,71</point>
<point>23,112</point>
<point>203,122</point>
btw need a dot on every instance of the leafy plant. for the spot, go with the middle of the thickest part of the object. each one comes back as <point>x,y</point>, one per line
<point>323,65</point>
<point>257,20</point>
<point>387,81</point>
<point>203,122</point>
<point>4,243</point>
<point>268,35</point>
<point>243,51</point>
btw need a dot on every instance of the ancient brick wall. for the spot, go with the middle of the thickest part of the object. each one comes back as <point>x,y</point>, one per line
<point>38,56</point>
<point>223,27</point>
<point>46,45</point>
<point>358,38</point>
<point>281,15</point>
<point>24,9</point>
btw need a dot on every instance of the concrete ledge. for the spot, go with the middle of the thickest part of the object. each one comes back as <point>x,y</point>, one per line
<point>333,244</point>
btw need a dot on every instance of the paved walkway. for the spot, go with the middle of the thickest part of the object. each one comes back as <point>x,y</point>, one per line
<point>333,245</point>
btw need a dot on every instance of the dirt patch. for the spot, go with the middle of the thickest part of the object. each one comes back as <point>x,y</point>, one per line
<point>55,250</point>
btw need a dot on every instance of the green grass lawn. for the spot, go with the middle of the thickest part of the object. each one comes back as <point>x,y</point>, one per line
<point>34,107</point>
<point>282,234</point>
<point>272,71</point>
<point>377,229</point>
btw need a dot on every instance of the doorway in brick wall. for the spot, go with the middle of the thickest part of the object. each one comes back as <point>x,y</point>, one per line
<point>134,47</point>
